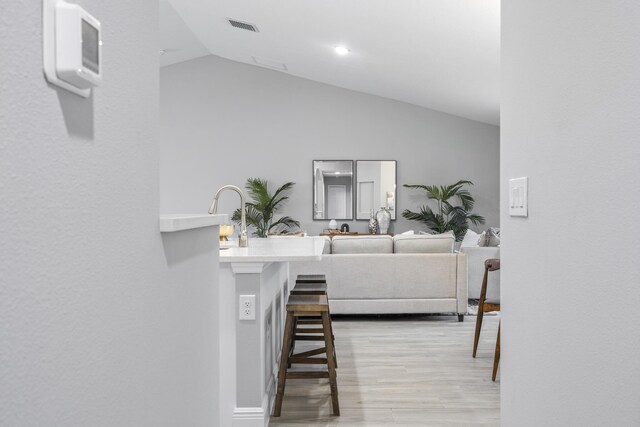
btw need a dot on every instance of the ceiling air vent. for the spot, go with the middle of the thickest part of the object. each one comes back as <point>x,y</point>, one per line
<point>243,25</point>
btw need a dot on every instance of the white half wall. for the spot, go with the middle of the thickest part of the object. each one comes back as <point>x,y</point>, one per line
<point>103,322</point>
<point>223,122</point>
<point>570,275</point>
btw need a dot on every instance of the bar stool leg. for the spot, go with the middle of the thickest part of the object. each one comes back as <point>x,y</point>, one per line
<point>483,296</point>
<point>496,357</point>
<point>284,363</point>
<point>333,338</point>
<point>331,362</point>
<point>476,337</point>
<point>293,340</point>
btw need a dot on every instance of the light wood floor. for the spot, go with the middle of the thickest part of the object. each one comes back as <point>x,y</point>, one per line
<point>406,371</point>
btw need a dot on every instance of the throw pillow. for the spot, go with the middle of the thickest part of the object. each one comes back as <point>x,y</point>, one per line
<point>491,237</point>
<point>470,239</point>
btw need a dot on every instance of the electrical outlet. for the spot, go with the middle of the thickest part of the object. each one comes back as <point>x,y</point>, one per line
<point>247,308</point>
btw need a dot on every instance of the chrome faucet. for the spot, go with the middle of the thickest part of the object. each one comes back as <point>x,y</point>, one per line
<point>243,240</point>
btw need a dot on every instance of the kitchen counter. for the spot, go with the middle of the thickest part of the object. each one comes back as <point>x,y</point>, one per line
<point>180,222</point>
<point>276,249</point>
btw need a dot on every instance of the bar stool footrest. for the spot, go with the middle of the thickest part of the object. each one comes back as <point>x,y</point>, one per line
<point>302,375</point>
<point>310,353</point>
<point>303,321</point>
<point>308,338</point>
<point>309,330</point>
<point>308,360</point>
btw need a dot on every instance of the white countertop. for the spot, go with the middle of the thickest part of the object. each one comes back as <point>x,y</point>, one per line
<point>179,222</point>
<point>274,249</point>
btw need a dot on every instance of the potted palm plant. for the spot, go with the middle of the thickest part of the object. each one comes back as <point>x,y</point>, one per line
<point>447,216</point>
<point>260,211</point>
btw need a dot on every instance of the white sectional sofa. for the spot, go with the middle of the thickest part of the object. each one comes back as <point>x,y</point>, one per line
<point>476,256</point>
<point>383,274</point>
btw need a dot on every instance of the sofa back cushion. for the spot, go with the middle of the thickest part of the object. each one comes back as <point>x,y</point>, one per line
<point>374,244</point>
<point>423,243</point>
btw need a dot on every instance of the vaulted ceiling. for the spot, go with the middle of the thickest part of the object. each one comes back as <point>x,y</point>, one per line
<point>438,54</point>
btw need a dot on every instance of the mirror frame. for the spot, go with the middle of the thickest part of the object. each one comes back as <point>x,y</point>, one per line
<point>355,200</point>
<point>313,194</point>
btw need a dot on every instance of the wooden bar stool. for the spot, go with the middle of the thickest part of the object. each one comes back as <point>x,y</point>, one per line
<point>305,306</point>
<point>310,284</point>
<point>311,278</point>
<point>309,288</point>
<point>485,306</point>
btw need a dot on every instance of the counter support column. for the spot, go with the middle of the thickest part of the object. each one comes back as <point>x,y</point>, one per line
<point>249,350</point>
<point>257,342</point>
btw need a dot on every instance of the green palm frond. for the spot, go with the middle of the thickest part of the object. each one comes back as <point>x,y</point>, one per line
<point>457,217</point>
<point>285,222</point>
<point>425,216</point>
<point>445,193</point>
<point>433,192</point>
<point>253,215</point>
<point>418,186</point>
<point>260,211</point>
<point>259,192</point>
<point>282,190</point>
<point>476,219</point>
<point>448,216</point>
<point>278,202</point>
<point>466,199</point>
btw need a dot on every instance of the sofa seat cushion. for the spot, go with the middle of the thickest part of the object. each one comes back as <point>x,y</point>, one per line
<point>423,243</point>
<point>374,244</point>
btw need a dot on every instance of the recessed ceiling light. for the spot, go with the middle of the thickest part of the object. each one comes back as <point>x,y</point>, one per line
<point>341,50</point>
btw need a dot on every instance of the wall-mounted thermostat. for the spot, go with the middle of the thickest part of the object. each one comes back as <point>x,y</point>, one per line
<point>72,47</point>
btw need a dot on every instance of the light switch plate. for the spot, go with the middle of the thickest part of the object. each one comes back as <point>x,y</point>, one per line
<point>518,195</point>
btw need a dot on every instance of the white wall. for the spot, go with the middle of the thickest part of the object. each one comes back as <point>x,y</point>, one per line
<point>570,275</point>
<point>103,322</point>
<point>222,122</point>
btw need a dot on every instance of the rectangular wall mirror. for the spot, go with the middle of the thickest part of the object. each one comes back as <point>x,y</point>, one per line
<point>333,189</point>
<point>375,187</point>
